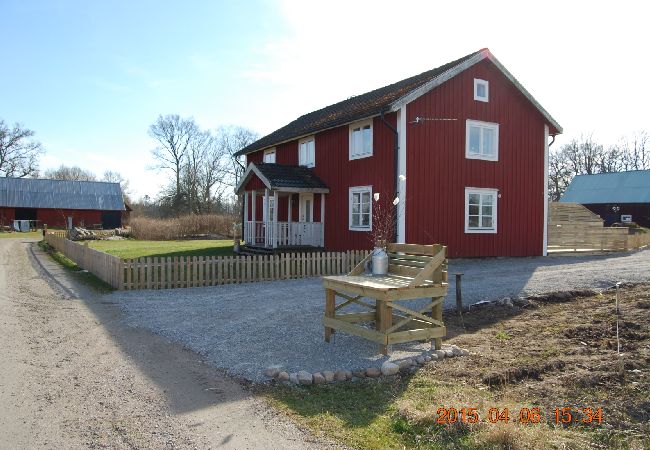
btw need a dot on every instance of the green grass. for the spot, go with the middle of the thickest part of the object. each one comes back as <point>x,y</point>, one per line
<point>16,235</point>
<point>131,248</point>
<point>76,271</point>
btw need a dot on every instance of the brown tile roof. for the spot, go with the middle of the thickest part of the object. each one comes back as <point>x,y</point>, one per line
<point>350,110</point>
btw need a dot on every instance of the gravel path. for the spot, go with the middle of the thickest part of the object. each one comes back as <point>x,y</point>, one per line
<point>246,328</point>
<point>73,376</point>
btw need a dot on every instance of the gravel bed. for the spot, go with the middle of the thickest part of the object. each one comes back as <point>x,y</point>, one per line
<point>246,328</point>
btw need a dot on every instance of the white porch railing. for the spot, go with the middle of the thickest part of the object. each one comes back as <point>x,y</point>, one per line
<point>282,234</point>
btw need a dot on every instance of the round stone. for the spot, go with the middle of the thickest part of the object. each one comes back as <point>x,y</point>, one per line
<point>305,378</point>
<point>388,368</point>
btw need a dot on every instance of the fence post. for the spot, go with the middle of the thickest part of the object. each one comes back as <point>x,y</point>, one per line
<point>459,294</point>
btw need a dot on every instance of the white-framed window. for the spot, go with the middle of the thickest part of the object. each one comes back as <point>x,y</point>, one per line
<point>307,152</point>
<point>360,204</point>
<point>481,90</point>
<point>361,139</point>
<point>482,140</point>
<point>481,210</point>
<point>269,155</point>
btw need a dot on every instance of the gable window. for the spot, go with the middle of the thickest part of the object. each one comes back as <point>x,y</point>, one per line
<point>481,90</point>
<point>360,204</point>
<point>481,210</point>
<point>307,152</point>
<point>361,139</point>
<point>482,140</point>
<point>269,155</point>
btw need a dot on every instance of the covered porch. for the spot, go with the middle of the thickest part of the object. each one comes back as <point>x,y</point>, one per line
<point>284,207</point>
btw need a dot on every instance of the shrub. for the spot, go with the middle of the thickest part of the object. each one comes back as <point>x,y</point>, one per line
<point>145,228</point>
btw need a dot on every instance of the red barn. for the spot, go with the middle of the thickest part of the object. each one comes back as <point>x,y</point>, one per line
<point>464,147</point>
<point>59,202</point>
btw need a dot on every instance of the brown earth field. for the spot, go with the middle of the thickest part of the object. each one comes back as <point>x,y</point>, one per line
<point>547,352</point>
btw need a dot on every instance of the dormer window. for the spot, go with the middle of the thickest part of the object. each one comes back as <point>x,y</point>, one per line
<point>269,155</point>
<point>481,90</point>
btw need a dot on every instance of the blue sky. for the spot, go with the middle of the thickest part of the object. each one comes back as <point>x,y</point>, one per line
<point>90,77</point>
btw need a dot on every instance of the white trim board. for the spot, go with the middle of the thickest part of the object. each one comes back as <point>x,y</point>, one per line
<point>448,74</point>
<point>546,199</point>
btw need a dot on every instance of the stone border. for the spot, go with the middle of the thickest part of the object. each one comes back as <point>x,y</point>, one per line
<point>387,369</point>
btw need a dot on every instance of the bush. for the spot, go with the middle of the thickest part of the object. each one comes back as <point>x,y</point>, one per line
<point>144,228</point>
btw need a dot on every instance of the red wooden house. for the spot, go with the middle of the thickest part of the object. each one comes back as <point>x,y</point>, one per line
<point>464,147</point>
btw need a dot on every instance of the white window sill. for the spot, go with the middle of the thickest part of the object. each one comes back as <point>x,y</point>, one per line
<point>365,155</point>
<point>481,231</point>
<point>481,157</point>
<point>360,229</point>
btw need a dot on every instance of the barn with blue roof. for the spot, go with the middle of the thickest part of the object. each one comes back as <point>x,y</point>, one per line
<point>59,203</point>
<point>616,197</point>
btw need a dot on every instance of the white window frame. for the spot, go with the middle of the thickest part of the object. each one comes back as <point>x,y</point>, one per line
<point>482,191</point>
<point>309,162</point>
<point>359,190</point>
<point>483,126</point>
<point>357,154</point>
<point>269,151</point>
<point>477,82</point>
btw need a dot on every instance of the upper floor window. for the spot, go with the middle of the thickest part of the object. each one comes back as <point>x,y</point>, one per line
<point>307,152</point>
<point>482,140</point>
<point>360,212</point>
<point>481,210</point>
<point>269,155</point>
<point>481,90</point>
<point>361,139</point>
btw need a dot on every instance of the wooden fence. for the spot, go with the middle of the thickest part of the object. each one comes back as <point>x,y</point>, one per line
<point>194,271</point>
<point>572,227</point>
<point>104,266</point>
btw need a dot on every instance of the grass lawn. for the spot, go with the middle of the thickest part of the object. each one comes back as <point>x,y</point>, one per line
<point>16,235</point>
<point>549,354</point>
<point>131,248</point>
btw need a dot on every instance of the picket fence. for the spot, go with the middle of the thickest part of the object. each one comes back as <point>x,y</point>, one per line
<point>195,271</point>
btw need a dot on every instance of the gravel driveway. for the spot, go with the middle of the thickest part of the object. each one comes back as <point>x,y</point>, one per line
<point>246,328</point>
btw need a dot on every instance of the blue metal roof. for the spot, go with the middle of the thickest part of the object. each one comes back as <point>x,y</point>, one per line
<point>620,187</point>
<point>60,194</point>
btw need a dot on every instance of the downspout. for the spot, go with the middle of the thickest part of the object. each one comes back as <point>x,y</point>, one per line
<point>551,143</point>
<point>396,161</point>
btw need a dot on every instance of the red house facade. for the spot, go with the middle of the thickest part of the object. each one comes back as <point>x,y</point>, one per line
<point>464,147</point>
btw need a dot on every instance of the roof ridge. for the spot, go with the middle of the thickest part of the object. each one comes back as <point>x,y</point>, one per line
<point>359,107</point>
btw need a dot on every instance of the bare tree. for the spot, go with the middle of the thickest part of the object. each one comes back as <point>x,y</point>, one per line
<point>19,153</point>
<point>71,173</point>
<point>231,140</point>
<point>116,177</point>
<point>636,151</point>
<point>174,136</point>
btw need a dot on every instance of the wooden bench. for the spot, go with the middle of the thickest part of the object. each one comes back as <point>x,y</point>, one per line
<point>414,272</point>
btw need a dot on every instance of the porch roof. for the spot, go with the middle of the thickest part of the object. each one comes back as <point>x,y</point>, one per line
<point>280,177</point>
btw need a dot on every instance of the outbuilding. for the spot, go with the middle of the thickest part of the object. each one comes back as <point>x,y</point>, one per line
<point>615,197</point>
<point>61,203</point>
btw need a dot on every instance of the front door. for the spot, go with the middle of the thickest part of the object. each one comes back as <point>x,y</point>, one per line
<point>306,209</point>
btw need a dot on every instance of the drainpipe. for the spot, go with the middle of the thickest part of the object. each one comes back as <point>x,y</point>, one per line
<point>396,161</point>
<point>551,143</point>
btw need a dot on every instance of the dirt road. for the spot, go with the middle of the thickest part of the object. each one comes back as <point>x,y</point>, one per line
<point>73,376</point>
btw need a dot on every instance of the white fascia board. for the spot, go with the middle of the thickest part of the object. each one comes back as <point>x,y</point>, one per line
<point>251,168</point>
<point>447,75</point>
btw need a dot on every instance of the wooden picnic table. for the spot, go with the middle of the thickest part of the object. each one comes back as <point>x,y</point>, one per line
<point>414,272</point>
